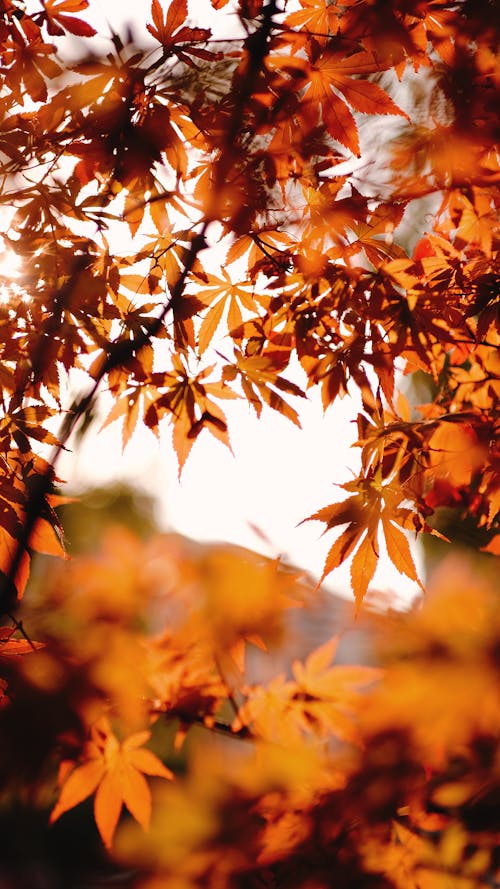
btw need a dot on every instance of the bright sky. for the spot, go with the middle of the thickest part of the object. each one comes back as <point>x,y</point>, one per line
<point>278,474</point>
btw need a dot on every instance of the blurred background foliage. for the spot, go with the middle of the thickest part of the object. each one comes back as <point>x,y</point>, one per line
<point>93,510</point>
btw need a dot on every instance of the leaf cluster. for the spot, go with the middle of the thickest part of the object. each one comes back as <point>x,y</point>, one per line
<point>181,240</point>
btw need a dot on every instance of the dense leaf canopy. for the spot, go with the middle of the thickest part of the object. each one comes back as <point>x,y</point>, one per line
<point>190,218</point>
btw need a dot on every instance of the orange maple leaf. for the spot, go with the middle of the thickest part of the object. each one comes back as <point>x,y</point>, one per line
<point>219,293</point>
<point>115,771</point>
<point>332,73</point>
<point>189,407</point>
<point>326,693</point>
<point>171,30</point>
<point>319,19</point>
<point>319,700</point>
<point>370,503</point>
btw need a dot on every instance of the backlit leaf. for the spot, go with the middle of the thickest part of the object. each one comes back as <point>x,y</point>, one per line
<point>114,771</point>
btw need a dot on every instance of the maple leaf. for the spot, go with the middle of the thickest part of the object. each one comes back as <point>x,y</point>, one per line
<point>333,72</point>
<point>28,56</point>
<point>171,31</point>
<point>58,14</point>
<point>316,677</point>
<point>362,512</point>
<point>374,235</point>
<point>327,693</point>
<point>258,374</point>
<point>219,293</point>
<point>164,28</point>
<point>319,701</point>
<point>267,710</point>
<point>128,407</point>
<point>318,18</point>
<point>188,406</point>
<point>114,771</point>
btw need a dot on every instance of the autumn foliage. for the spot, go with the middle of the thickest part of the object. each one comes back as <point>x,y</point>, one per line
<point>307,200</point>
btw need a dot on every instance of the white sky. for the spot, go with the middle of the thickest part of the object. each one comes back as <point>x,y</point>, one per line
<point>278,474</point>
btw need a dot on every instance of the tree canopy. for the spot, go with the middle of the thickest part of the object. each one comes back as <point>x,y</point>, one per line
<point>191,218</point>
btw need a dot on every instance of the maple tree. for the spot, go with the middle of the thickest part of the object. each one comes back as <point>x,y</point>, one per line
<point>127,173</point>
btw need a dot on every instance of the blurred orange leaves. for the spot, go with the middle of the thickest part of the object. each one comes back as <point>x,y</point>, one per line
<point>190,223</point>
